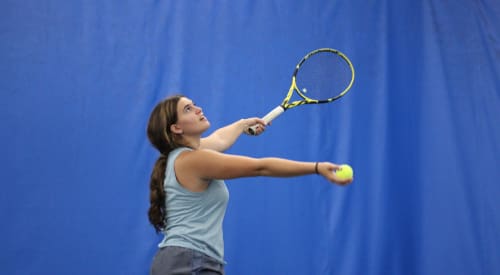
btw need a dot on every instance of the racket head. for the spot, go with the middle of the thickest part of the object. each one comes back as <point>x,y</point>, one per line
<point>322,76</point>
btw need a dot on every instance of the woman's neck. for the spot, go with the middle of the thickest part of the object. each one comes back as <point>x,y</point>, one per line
<point>191,142</point>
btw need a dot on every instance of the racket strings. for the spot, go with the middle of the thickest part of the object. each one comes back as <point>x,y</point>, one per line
<point>323,76</point>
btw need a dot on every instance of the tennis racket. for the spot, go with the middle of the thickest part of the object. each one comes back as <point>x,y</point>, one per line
<point>322,76</point>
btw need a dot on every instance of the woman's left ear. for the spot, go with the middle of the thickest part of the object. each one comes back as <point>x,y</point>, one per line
<point>174,128</point>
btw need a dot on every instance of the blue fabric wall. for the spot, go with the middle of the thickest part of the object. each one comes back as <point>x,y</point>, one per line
<point>421,127</point>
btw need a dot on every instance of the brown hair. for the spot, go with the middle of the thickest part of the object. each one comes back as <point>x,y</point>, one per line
<point>161,137</point>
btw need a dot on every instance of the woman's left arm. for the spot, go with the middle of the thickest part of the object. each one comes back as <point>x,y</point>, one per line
<point>225,137</point>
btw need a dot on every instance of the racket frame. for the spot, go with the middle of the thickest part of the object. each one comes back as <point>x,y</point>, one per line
<point>286,104</point>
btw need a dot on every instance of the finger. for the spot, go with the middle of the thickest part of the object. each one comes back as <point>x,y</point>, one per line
<point>261,129</point>
<point>346,182</point>
<point>261,121</point>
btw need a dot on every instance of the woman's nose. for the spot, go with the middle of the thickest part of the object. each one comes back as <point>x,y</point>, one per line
<point>198,109</point>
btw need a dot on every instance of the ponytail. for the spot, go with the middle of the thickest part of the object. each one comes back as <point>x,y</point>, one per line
<point>160,136</point>
<point>157,210</point>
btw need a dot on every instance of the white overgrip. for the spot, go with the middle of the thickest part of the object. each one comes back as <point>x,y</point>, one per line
<point>273,114</point>
<point>268,118</point>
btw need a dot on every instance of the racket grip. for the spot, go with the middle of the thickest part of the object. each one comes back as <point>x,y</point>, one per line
<point>267,118</point>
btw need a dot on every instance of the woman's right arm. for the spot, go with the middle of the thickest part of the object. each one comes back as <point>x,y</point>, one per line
<point>209,164</point>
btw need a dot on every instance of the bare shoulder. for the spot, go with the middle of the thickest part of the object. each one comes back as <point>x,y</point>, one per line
<point>187,167</point>
<point>199,154</point>
<point>197,159</point>
<point>209,157</point>
<point>210,164</point>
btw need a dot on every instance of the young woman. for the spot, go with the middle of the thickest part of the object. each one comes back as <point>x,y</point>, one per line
<point>188,196</point>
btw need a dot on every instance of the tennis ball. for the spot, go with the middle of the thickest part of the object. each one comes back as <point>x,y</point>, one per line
<point>344,172</point>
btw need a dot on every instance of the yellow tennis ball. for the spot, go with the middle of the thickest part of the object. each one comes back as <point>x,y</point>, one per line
<point>344,172</point>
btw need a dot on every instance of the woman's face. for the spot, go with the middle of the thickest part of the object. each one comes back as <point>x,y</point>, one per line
<point>190,118</point>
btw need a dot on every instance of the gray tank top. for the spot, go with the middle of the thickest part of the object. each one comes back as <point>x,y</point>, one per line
<point>194,219</point>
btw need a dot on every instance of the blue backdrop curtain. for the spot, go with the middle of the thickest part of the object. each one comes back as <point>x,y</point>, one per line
<point>421,127</point>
